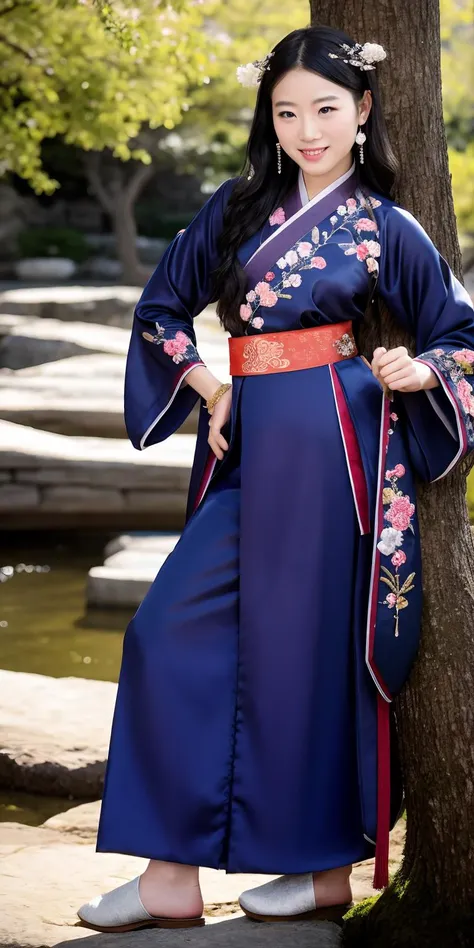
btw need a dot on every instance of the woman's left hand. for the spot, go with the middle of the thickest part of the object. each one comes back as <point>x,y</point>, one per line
<point>397,369</point>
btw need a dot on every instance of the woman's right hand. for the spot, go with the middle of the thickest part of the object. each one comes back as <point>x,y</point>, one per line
<point>220,416</point>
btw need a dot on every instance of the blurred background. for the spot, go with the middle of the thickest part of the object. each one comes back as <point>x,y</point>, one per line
<point>113,134</point>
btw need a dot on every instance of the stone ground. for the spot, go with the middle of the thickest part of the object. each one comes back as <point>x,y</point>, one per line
<point>46,872</point>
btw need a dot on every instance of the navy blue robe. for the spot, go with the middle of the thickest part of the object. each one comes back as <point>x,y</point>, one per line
<point>253,716</point>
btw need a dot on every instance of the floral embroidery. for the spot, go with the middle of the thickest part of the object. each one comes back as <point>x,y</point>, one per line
<point>179,346</point>
<point>455,365</point>
<point>304,256</point>
<point>278,217</point>
<point>399,515</point>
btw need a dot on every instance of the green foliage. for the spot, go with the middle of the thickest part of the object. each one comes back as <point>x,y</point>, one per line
<point>457,41</point>
<point>66,70</point>
<point>461,166</point>
<point>54,242</point>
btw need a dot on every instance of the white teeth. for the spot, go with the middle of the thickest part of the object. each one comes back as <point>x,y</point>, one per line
<point>316,152</point>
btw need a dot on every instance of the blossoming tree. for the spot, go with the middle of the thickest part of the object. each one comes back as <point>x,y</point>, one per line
<point>431,898</point>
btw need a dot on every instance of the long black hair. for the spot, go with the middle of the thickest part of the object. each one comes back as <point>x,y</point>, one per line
<point>254,198</point>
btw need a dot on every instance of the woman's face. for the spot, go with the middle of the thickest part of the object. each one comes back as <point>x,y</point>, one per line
<point>316,122</point>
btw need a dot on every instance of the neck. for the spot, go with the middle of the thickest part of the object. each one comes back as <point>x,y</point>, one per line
<point>314,184</point>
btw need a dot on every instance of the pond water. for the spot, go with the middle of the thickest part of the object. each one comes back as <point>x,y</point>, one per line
<point>43,623</point>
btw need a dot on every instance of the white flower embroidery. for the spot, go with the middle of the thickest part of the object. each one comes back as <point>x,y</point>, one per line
<point>342,209</point>
<point>282,263</point>
<point>389,540</point>
<point>291,258</point>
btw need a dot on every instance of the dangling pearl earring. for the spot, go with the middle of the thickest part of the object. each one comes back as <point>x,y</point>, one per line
<point>360,139</point>
<point>278,147</point>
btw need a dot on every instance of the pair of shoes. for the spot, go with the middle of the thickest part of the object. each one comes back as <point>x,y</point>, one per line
<point>289,898</point>
<point>122,910</point>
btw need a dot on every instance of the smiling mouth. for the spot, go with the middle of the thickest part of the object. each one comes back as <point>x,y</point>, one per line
<point>313,151</point>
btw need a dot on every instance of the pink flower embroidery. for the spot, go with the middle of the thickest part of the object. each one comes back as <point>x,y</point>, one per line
<point>362,250</point>
<point>391,600</point>
<point>398,470</point>
<point>318,262</point>
<point>267,296</point>
<point>364,223</point>
<point>400,512</point>
<point>278,217</point>
<point>257,322</point>
<point>465,393</point>
<point>245,311</point>
<point>399,558</point>
<point>177,346</point>
<point>394,417</point>
<point>251,296</point>
<point>304,248</point>
<point>351,204</point>
<point>270,275</point>
<point>462,355</point>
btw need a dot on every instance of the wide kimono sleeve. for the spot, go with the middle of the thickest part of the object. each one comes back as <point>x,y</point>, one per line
<point>426,298</point>
<point>162,346</point>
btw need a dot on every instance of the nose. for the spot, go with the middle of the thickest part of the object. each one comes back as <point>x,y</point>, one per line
<point>309,131</point>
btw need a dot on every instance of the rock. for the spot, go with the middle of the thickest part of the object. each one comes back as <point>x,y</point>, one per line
<point>104,479</point>
<point>107,304</point>
<point>18,497</point>
<point>27,342</point>
<point>158,542</point>
<point>50,870</point>
<point>69,377</point>
<point>54,733</point>
<point>128,571</point>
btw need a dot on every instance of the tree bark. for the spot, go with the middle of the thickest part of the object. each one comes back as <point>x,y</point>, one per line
<point>117,197</point>
<point>431,899</point>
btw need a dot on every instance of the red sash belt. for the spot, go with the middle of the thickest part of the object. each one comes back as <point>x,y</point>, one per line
<point>287,351</point>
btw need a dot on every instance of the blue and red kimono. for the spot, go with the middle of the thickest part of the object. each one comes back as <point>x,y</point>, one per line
<point>252,729</point>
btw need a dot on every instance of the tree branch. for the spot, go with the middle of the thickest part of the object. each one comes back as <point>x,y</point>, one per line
<point>142,175</point>
<point>91,162</point>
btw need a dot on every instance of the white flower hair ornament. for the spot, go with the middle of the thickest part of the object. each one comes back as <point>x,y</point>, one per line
<point>251,74</point>
<point>364,56</point>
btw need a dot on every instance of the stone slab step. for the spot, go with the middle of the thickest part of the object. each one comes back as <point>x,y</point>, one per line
<point>49,479</point>
<point>108,304</point>
<point>126,575</point>
<point>26,341</point>
<point>80,395</point>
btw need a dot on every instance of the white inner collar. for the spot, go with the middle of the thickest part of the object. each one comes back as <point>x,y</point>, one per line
<point>304,194</point>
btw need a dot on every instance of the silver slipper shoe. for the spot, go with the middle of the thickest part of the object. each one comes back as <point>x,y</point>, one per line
<point>289,899</point>
<point>122,910</point>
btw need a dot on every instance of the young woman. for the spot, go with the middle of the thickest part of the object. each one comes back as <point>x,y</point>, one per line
<point>252,724</point>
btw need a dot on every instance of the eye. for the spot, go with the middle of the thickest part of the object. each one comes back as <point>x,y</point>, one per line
<point>328,107</point>
<point>286,112</point>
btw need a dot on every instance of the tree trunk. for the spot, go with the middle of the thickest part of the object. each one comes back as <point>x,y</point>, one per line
<point>431,899</point>
<point>117,196</point>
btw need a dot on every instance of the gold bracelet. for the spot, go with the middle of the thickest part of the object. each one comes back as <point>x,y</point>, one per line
<point>212,401</point>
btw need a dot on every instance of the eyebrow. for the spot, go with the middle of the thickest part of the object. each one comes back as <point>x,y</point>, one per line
<point>324,98</point>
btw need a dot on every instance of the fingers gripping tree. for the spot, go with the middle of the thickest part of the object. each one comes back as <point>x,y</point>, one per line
<point>431,898</point>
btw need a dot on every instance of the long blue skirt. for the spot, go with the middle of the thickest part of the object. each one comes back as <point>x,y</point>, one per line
<point>234,743</point>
